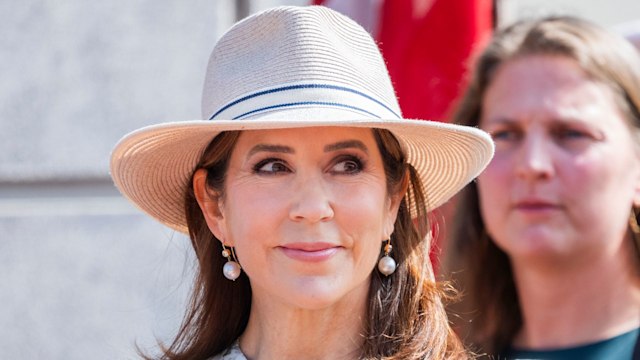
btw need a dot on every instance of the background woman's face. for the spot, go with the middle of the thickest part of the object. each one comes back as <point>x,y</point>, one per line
<point>307,211</point>
<point>566,172</point>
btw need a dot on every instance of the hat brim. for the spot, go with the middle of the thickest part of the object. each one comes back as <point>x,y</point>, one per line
<point>152,166</point>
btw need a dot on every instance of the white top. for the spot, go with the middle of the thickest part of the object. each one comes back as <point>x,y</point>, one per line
<point>231,353</point>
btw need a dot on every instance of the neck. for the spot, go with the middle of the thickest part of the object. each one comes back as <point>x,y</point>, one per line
<point>279,331</point>
<point>571,302</point>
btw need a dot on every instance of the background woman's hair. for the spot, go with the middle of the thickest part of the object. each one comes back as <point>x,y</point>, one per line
<point>406,316</point>
<point>477,265</point>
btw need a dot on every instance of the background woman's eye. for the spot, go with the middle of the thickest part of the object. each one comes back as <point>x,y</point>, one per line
<point>571,134</point>
<point>505,135</point>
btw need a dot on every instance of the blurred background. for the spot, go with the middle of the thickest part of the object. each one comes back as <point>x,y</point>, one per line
<point>84,274</point>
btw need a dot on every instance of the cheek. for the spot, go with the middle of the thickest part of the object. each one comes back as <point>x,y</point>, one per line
<point>253,214</point>
<point>366,226</point>
<point>496,174</point>
<point>492,178</point>
<point>361,215</point>
<point>600,188</point>
<point>493,190</point>
<point>361,204</point>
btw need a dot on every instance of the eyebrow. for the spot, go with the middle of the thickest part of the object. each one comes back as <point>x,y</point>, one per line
<point>271,148</point>
<point>505,121</point>
<point>328,148</point>
<point>500,121</point>
<point>347,145</point>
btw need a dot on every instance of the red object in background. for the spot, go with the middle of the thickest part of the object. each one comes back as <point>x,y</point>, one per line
<point>428,54</point>
<point>427,45</point>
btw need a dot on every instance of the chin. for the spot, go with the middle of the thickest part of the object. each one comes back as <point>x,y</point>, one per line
<point>537,244</point>
<point>543,251</point>
<point>313,293</point>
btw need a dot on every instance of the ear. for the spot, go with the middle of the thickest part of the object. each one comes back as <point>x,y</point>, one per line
<point>636,194</point>
<point>394,205</point>
<point>211,206</point>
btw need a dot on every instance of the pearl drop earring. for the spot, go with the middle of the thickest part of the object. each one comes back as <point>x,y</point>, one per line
<point>387,265</point>
<point>231,268</point>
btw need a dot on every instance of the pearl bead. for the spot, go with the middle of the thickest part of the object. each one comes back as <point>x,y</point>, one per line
<point>387,265</point>
<point>231,270</point>
<point>225,253</point>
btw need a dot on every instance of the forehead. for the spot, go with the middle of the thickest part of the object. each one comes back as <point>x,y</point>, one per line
<point>543,85</point>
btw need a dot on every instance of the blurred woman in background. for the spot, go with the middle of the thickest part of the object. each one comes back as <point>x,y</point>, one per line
<point>546,242</point>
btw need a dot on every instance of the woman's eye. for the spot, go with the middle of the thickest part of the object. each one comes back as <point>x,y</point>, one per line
<point>571,134</point>
<point>505,135</point>
<point>271,166</point>
<point>347,166</point>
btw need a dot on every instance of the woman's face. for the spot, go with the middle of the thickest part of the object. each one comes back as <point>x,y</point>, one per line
<point>566,171</point>
<point>307,211</point>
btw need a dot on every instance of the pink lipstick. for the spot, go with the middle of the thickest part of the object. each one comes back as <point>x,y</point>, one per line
<point>310,252</point>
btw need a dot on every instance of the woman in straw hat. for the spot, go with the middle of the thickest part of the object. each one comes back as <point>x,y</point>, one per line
<point>548,238</point>
<point>299,194</point>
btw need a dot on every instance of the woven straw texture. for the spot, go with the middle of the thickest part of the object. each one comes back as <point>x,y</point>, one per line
<point>276,49</point>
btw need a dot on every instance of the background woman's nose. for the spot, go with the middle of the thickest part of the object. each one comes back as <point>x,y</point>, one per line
<point>535,159</point>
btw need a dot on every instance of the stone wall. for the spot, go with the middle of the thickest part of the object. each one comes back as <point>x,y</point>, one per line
<point>86,275</point>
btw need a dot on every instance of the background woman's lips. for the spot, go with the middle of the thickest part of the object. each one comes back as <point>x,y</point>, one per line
<point>536,206</point>
<point>311,252</point>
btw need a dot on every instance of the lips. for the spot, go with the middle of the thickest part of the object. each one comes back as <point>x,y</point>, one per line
<point>310,251</point>
<point>535,205</point>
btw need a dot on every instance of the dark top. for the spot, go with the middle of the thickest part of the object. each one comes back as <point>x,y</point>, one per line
<point>622,347</point>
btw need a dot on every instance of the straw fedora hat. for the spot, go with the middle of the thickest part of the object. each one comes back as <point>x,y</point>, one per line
<point>291,67</point>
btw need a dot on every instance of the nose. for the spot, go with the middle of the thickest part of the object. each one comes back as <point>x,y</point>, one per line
<point>312,201</point>
<point>536,159</point>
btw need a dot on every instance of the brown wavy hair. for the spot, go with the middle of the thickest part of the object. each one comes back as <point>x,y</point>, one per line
<point>490,314</point>
<point>405,319</point>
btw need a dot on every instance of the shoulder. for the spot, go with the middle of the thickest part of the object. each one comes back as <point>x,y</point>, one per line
<point>231,353</point>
